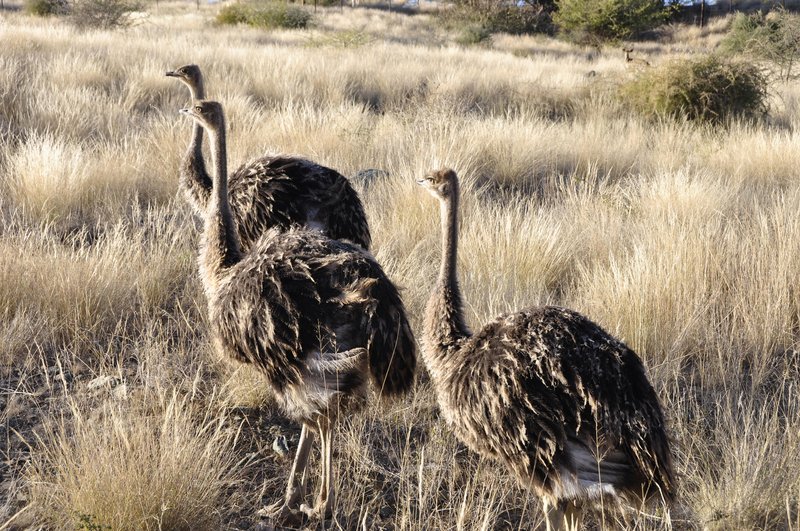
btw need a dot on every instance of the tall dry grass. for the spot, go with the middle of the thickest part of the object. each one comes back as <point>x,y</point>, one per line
<point>677,238</point>
<point>122,467</point>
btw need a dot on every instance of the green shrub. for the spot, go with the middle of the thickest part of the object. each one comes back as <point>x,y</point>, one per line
<point>293,17</point>
<point>44,8</point>
<point>103,14</point>
<point>595,21</point>
<point>265,15</point>
<point>494,16</point>
<point>473,34</point>
<point>235,13</point>
<point>743,28</point>
<point>710,89</point>
<point>774,37</point>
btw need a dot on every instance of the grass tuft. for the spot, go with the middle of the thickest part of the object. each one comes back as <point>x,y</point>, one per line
<point>163,467</point>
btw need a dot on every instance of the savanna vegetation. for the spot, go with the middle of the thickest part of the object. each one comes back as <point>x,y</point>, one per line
<point>678,234</point>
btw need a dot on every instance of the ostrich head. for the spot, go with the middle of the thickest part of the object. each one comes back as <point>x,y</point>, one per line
<point>442,184</point>
<point>207,113</point>
<point>189,75</point>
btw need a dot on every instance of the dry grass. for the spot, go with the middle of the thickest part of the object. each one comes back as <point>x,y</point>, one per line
<point>121,468</point>
<point>680,239</point>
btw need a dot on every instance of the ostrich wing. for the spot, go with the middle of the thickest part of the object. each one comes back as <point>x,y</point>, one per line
<point>264,316</point>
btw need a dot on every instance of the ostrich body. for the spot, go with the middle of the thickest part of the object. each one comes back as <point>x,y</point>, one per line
<point>274,191</point>
<point>317,317</point>
<point>563,404</point>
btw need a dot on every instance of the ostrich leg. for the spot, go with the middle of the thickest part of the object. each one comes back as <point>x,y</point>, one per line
<point>323,506</point>
<point>296,485</point>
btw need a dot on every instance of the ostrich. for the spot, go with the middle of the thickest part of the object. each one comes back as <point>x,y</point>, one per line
<point>318,317</point>
<point>563,404</point>
<point>274,191</point>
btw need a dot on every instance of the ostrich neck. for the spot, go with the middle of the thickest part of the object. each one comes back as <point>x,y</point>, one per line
<point>449,215</point>
<point>222,240</point>
<point>194,179</point>
<point>444,315</point>
<point>196,146</point>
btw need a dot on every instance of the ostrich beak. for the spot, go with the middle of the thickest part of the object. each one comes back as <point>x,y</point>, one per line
<point>420,181</point>
<point>171,73</point>
<point>187,112</point>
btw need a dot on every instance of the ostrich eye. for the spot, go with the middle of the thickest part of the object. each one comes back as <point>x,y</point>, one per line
<point>198,108</point>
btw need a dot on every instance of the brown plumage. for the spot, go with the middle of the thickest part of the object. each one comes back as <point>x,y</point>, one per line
<point>563,404</point>
<point>277,191</point>
<point>317,316</point>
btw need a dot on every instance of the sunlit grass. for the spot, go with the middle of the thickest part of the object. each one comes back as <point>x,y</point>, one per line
<point>679,239</point>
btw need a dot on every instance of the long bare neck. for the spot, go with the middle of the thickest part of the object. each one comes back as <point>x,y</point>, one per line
<point>194,178</point>
<point>444,315</point>
<point>196,147</point>
<point>449,214</point>
<point>223,248</point>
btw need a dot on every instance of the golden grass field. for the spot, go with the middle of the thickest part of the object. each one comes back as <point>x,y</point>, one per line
<point>682,240</point>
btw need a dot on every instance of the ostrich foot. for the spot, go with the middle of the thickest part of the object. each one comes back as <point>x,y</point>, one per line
<point>284,512</point>
<point>321,511</point>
